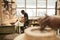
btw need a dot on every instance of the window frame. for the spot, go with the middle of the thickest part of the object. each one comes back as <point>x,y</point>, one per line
<point>36,7</point>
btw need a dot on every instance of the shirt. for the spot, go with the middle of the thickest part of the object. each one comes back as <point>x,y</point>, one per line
<point>26,16</point>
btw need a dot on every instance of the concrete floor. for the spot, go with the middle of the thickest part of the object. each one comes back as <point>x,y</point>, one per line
<point>8,36</point>
<point>13,36</point>
<point>21,37</point>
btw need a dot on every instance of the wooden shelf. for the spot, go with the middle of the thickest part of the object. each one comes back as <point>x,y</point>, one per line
<point>10,13</point>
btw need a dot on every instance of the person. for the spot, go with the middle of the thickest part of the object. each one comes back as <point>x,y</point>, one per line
<point>26,22</point>
<point>6,4</point>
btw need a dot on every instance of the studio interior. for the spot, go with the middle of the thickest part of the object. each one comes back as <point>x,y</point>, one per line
<point>29,19</point>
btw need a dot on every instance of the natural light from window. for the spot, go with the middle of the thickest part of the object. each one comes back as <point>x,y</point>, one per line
<point>36,7</point>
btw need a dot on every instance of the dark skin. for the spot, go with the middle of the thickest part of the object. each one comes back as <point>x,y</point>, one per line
<point>25,18</point>
<point>52,22</point>
<point>43,23</point>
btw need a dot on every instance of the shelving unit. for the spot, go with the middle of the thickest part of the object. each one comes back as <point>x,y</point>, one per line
<point>7,16</point>
<point>11,12</point>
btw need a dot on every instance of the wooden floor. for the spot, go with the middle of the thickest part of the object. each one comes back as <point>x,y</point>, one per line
<point>8,36</point>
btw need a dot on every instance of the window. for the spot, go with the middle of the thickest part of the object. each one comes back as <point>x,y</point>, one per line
<point>19,12</point>
<point>41,3</point>
<point>36,7</point>
<point>30,3</point>
<point>31,12</point>
<point>50,12</point>
<point>51,3</point>
<point>20,3</point>
<point>41,12</point>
